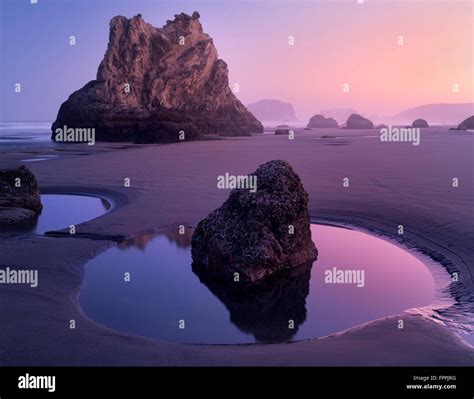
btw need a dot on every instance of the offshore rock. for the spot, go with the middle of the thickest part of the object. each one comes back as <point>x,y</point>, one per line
<point>154,83</point>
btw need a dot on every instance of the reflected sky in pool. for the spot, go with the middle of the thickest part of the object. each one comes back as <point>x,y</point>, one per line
<point>163,289</point>
<point>61,211</point>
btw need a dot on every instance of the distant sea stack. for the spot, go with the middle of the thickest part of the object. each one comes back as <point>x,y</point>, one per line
<point>319,121</point>
<point>154,83</point>
<point>272,110</point>
<point>467,124</point>
<point>356,121</point>
<point>257,234</point>
<point>339,114</point>
<point>19,195</point>
<point>435,113</point>
<point>282,129</point>
<point>419,123</point>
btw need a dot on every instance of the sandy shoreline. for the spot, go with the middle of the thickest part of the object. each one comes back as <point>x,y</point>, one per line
<point>176,184</point>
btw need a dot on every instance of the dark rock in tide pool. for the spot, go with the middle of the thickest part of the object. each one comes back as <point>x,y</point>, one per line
<point>156,84</point>
<point>356,121</point>
<point>19,195</point>
<point>256,234</point>
<point>319,121</point>
<point>419,123</point>
<point>282,129</point>
<point>467,124</point>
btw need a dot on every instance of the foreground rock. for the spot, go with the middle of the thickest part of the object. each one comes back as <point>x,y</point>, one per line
<point>19,195</point>
<point>319,121</point>
<point>250,234</point>
<point>467,124</point>
<point>154,83</point>
<point>272,110</point>
<point>355,121</point>
<point>419,123</point>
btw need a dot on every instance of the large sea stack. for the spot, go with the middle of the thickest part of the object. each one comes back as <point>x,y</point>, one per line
<point>257,234</point>
<point>154,83</point>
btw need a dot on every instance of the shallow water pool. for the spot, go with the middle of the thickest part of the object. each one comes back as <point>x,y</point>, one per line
<point>146,286</point>
<point>61,211</point>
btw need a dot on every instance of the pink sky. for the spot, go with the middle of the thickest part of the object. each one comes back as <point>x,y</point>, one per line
<point>336,42</point>
<point>346,42</point>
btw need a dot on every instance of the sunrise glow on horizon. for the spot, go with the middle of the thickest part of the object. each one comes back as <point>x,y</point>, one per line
<point>391,55</point>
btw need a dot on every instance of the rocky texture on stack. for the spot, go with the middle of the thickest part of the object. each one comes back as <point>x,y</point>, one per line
<point>154,83</point>
<point>419,123</point>
<point>257,234</point>
<point>355,121</point>
<point>19,195</point>
<point>319,121</point>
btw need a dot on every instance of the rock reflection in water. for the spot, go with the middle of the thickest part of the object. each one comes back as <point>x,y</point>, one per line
<point>164,289</point>
<point>140,242</point>
<point>180,240</point>
<point>263,309</point>
<point>24,227</point>
<point>173,236</point>
<point>271,310</point>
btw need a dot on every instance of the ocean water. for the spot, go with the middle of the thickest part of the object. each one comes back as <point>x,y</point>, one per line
<point>25,134</point>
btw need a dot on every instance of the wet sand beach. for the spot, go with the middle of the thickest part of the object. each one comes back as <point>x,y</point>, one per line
<point>390,184</point>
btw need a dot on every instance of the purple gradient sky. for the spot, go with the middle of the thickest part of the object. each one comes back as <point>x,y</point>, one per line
<point>336,42</point>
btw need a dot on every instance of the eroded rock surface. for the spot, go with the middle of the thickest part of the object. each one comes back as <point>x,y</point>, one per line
<point>19,195</point>
<point>257,234</point>
<point>154,83</point>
